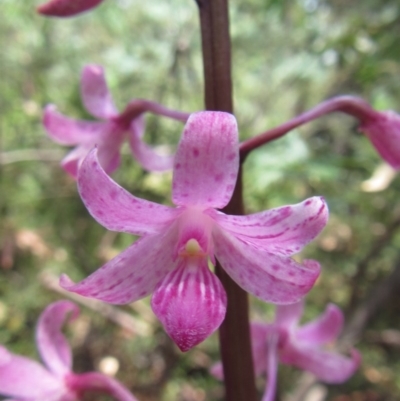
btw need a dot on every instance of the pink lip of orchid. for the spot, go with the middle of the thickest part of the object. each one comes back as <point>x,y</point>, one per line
<point>66,8</point>
<point>109,134</point>
<point>171,259</point>
<point>286,342</point>
<point>27,380</point>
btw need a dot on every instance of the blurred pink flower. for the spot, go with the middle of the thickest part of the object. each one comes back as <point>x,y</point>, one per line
<point>27,380</point>
<point>304,347</point>
<point>383,130</point>
<point>171,260</point>
<point>66,8</point>
<point>109,134</point>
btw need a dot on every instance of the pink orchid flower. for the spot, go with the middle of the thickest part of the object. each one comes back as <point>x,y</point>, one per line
<point>27,380</point>
<point>303,347</point>
<point>66,8</point>
<point>383,130</point>
<point>109,134</point>
<point>171,260</point>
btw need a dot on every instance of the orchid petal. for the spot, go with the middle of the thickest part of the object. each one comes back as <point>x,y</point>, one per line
<point>131,275</point>
<point>384,133</point>
<point>67,131</point>
<point>114,207</point>
<point>94,381</point>
<point>324,329</point>
<point>272,367</point>
<point>288,315</point>
<point>145,154</point>
<point>284,230</point>
<point>259,349</point>
<point>109,145</point>
<point>23,378</point>
<point>73,160</point>
<point>272,278</point>
<point>52,345</point>
<point>190,302</point>
<point>330,367</point>
<point>207,161</point>
<point>66,8</point>
<point>259,333</point>
<point>217,371</point>
<point>95,94</point>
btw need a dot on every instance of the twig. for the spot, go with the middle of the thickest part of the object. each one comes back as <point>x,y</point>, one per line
<point>112,313</point>
<point>362,266</point>
<point>23,155</point>
<point>386,338</point>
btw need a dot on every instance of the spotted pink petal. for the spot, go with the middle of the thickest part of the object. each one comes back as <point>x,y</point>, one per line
<point>66,8</point>
<point>284,230</point>
<point>289,315</point>
<point>131,275</point>
<point>67,131</point>
<point>95,94</point>
<point>330,367</point>
<point>114,207</point>
<point>98,382</point>
<point>207,161</point>
<point>324,329</point>
<point>383,130</point>
<point>190,302</point>
<point>272,278</point>
<point>26,379</point>
<point>145,154</point>
<point>52,345</point>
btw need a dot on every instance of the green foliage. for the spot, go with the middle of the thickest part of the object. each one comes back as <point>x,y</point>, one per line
<point>287,57</point>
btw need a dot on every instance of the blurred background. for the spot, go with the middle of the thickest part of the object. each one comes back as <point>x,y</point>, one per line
<point>288,55</point>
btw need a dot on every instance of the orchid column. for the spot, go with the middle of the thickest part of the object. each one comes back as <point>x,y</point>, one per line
<point>234,332</point>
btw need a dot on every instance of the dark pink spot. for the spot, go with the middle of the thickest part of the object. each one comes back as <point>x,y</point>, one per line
<point>231,156</point>
<point>308,203</point>
<point>178,166</point>
<point>218,177</point>
<point>196,152</point>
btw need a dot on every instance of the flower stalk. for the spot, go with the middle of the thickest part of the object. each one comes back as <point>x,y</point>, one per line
<point>351,105</point>
<point>234,333</point>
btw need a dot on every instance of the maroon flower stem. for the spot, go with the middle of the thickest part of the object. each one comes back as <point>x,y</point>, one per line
<point>140,106</point>
<point>234,333</point>
<point>352,105</point>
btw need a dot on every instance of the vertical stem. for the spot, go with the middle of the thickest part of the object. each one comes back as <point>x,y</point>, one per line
<point>234,333</point>
<point>216,46</point>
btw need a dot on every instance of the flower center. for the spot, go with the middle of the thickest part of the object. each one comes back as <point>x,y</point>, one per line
<point>192,249</point>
